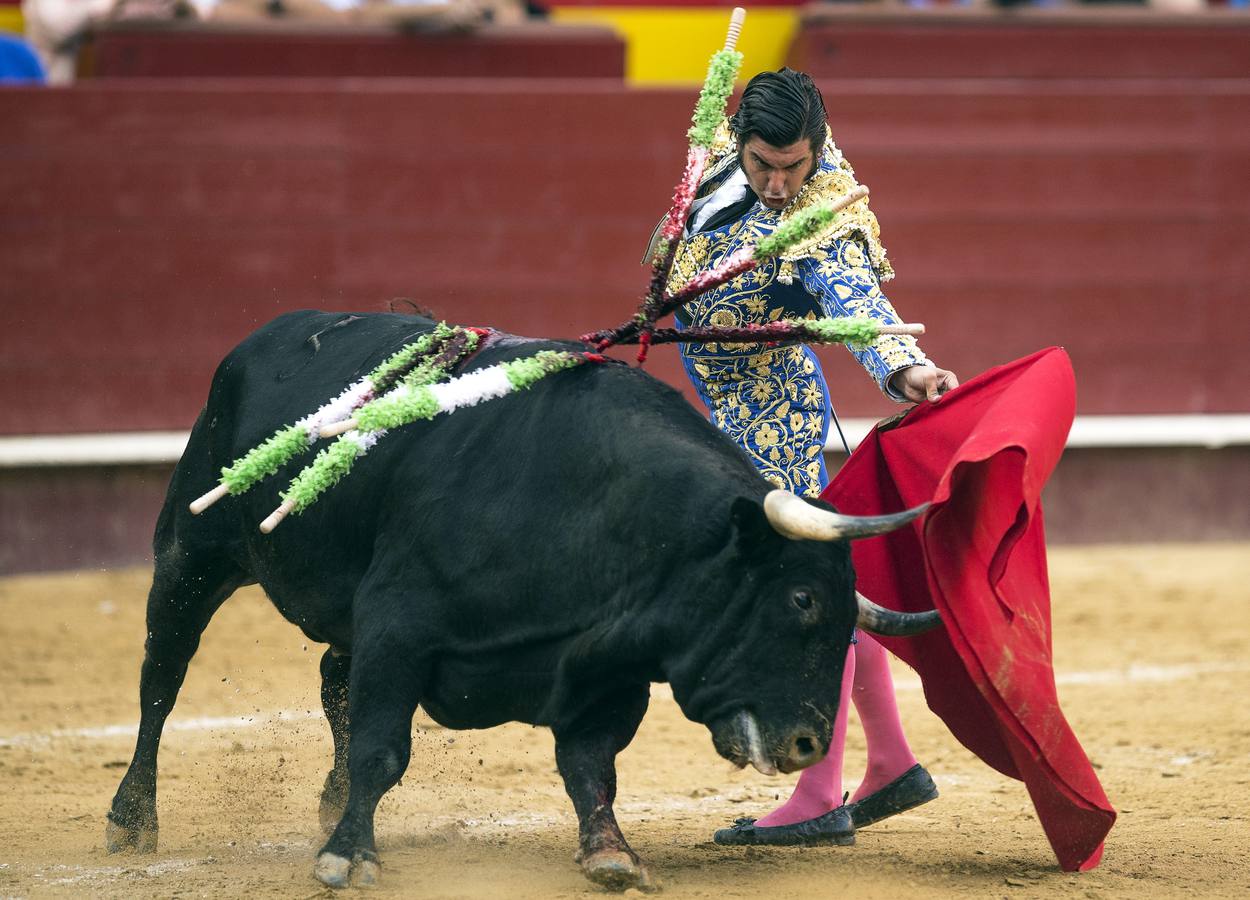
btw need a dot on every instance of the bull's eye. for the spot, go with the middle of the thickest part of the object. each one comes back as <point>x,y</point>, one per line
<point>802,599</point>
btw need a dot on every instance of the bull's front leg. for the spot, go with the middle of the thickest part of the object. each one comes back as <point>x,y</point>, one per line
<point>586,756</point>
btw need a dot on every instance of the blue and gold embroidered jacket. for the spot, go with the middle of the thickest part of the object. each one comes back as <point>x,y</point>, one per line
<point>774,402</point>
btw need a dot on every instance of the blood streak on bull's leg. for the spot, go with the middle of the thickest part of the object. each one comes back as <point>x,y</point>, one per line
<point>586,756</point>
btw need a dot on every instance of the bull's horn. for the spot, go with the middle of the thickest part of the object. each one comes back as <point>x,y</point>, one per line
<point>886,622</point>
<point>800,521</point>
<point>750,731</point>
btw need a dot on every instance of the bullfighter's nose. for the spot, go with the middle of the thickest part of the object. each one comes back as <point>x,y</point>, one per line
<point>803,749</point>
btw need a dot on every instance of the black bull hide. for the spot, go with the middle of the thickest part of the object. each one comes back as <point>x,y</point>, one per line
<point>539,558</point>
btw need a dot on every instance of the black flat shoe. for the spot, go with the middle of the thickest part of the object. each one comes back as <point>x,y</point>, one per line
<point>834,827</point>
<point>908,791</point>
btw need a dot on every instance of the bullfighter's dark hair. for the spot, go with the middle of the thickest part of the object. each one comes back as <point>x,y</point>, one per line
<point>781,108</point>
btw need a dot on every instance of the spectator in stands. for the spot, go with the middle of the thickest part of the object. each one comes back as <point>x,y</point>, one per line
<point>56,29</point>
<point>417,14</point>
<point>427,14</point>
<point>18,62</point>
<point>442,13</point>
<point>270,10</point>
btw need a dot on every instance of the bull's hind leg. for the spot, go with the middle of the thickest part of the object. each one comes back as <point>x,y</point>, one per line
<point>386,682</point>
<point>184,596</point>
<point>586,756</point>
<point>335,671</point>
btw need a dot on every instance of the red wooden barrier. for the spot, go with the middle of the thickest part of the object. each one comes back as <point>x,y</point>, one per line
<point>147,227</point>
<point>208,50</point>
<point>838,41</point>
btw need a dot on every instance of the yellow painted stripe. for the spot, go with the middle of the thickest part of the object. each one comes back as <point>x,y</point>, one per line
<point>11,19</point>
<point>665,45</point>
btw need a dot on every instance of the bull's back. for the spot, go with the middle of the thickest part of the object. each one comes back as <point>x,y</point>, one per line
<point>294,364</point>
<point>490,491</point>
<point>277,375</point>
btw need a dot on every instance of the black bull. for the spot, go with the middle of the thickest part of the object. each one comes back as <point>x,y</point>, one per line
<point>540,558</point>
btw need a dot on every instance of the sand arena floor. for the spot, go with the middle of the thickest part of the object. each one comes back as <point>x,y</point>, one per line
<point>1152,650</point>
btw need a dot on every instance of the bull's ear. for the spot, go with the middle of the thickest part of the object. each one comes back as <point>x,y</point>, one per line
<point>752,532</point>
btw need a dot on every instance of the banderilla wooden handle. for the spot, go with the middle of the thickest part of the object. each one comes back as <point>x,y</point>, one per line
<point>735,27</point>
<point>275,518</point>
<point>913,328</point>
<point>334,429</point>
<point>202,503</point>
<point>855,194</point>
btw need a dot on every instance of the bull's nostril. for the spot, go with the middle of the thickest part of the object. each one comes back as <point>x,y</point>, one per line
<point>805,746</point>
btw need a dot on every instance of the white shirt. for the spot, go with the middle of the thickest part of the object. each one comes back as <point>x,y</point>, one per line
<point>730,192</point>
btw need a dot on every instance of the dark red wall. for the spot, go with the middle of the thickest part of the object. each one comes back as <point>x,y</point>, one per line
<point>849,41</point>
<point>146,227</point>
<point>103,516</point>
<point>206,49</point>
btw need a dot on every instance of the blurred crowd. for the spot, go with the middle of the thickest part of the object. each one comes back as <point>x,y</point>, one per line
<point>56,28</point>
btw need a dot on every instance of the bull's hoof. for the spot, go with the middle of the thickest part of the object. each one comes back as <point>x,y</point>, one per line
<point>118,838</point>
<point>616,870</point>
<point>333,870</point>
<point>367,873</point>
<point>363,871</point>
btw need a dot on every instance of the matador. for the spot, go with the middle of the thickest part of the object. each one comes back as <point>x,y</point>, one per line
<point>773,159</point>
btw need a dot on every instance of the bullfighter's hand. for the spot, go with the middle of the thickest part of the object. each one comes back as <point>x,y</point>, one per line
<point>918,383</point>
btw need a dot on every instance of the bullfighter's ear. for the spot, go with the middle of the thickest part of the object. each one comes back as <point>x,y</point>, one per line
<point>752,530</point>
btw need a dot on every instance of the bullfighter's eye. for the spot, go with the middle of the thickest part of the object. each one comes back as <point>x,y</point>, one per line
<point>802,599</point>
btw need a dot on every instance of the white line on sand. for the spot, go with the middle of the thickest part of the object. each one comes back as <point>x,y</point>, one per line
<point>203,723</point>
<point>1134,674</point>
<point>67,875</point>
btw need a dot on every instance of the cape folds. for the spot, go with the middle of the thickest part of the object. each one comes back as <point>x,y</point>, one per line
<point>981,455</point>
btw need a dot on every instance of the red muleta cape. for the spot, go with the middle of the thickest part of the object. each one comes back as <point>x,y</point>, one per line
<point>981,456</point>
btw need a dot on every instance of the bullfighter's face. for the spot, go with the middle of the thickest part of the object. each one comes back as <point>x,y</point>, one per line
<point>764,671</point>
<point>777,174</point>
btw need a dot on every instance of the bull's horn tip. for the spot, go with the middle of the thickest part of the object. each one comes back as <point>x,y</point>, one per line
<point>877,619</point>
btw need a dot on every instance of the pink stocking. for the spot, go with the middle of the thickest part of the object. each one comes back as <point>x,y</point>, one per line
<point>820,786</point>
<point>889,755</point>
